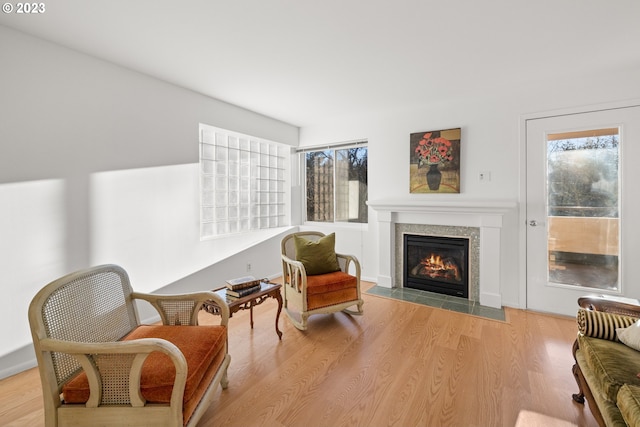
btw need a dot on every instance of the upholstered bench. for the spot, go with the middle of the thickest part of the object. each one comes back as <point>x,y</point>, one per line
<point>608,362</point>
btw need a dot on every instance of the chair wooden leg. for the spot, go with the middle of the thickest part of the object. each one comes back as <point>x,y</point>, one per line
<point>577,374</point>
<point>578,397</point>
<point>224,381</point>
<point>304,317</point>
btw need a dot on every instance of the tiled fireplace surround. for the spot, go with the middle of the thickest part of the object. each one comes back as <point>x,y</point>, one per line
<point>480,221</point>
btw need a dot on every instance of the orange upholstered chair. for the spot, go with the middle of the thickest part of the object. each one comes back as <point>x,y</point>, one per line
<point>316,278</point>
<point>99,366</point>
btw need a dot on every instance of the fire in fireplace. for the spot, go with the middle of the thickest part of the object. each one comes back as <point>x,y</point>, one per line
<point>436,264</point>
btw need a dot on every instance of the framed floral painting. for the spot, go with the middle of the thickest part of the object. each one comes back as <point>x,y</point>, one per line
<point>435,161</point>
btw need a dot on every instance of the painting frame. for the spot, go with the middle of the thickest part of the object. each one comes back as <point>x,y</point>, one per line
<point>434,165</point>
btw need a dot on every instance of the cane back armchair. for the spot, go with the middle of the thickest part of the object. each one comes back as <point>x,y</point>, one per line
<point>100,366</point>
<point>316,279</point>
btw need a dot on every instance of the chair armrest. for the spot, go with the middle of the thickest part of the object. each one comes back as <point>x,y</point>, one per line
<point>89,354</point>
<point>293,263</point>
<point>609,305</point>
<point>182,309</point>
<point>345,260</point>
<point>294,273</point>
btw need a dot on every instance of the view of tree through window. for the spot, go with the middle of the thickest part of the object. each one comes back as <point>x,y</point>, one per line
<point>583,176</point>
<point>583,223</point>
<point>336,185</point>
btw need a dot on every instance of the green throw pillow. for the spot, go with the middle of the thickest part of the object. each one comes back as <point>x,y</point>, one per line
<point>317,257</point>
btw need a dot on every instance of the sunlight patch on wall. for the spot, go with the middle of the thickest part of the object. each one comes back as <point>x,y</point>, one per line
<point>146,221</point>
<point>32,251</point>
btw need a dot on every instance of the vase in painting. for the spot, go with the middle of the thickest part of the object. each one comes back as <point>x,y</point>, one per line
<point>434,176</point>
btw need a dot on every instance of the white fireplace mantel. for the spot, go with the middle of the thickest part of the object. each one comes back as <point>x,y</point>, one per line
<point>486,215</point>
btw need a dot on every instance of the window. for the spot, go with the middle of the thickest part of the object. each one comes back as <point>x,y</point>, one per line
<point>583,182</point>
<point>336,184</point>
<point>243,183</point>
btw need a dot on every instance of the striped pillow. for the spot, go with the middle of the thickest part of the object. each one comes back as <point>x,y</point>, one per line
<point>599,324</point>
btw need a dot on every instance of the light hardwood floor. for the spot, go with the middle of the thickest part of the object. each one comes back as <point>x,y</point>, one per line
<point>400,364</point>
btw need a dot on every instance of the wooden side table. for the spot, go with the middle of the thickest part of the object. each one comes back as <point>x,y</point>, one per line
<point>267,290</point>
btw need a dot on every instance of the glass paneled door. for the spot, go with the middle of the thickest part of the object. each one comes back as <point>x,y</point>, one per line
<point>575,201</point>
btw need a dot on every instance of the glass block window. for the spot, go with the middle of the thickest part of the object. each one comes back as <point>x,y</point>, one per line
<point>243,183</point>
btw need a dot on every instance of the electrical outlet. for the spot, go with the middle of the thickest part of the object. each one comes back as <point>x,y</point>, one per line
<point>248,266</point>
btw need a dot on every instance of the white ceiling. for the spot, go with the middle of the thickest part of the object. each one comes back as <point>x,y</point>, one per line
<point>310,61</point>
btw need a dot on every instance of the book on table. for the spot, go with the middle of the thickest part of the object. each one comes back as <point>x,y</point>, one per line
<point>239,293</point>
<point>243,283</point>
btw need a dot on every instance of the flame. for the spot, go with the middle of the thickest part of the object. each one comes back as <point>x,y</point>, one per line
<point>435,266</point>
<point>433,262</point>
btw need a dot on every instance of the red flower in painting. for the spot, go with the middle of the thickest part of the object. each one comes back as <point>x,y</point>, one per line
<point>432,151</point>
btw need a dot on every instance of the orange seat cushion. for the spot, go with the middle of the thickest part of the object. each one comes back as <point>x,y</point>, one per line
<point>202,346</point>
<point>324,290</point>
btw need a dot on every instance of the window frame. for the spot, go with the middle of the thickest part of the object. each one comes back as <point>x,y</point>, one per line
<point>303,187</point>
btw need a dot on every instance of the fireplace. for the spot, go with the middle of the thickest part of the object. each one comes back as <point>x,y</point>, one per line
<point>436,264</point>
<point>480,221</point>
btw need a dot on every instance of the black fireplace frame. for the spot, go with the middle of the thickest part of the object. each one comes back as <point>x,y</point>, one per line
<point>445,287</point>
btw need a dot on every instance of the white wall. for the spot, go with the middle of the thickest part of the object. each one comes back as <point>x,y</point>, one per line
<point>99,164</point>
<point>491,141</point>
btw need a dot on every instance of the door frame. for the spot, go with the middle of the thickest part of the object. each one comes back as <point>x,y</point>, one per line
<point>522,199</point>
